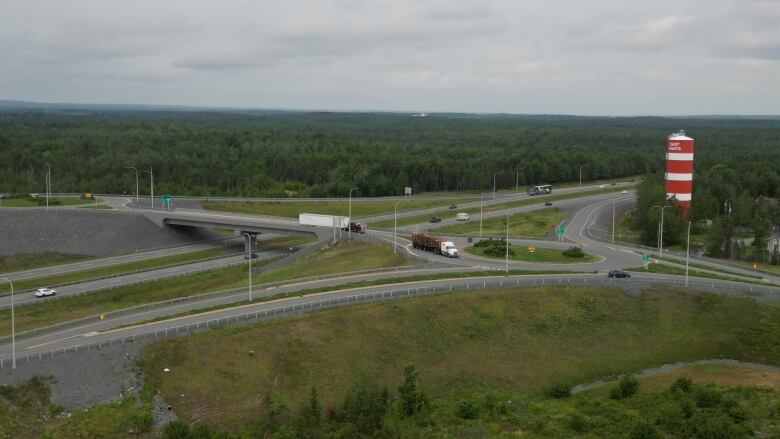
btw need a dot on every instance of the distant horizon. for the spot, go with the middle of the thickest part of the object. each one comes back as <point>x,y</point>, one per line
<point>9,104</point>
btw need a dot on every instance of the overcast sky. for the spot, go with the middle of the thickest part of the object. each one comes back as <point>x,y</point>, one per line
<point>594,57</point>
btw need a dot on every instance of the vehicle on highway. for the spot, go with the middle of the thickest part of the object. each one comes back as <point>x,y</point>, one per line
<point>435,244</point>
<point>453,206</point>
<point>624,191</point>
<point>613,274</point>
<point>548,203</point>
<point>435,219</point>
<point>462,216</point>
<point>342,222</point>
<point>540,189</point>
<point>45,292</point>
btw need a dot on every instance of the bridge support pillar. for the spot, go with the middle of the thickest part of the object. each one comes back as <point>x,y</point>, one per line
<point>250,244</point>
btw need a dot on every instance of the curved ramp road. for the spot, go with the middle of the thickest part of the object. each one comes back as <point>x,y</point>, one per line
<point>87,337</point>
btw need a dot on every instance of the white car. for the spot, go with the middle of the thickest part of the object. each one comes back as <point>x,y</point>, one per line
<point>45,292</point>
<point>624,192</point>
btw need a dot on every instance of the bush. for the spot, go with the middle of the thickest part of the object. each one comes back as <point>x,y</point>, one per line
<point>627,387</point>
<point>559,391</point>
<point>176,430</point>
<point>574,252</point>
<point>645,431</point>
<point>707,396</point>
<point>499,251</point>
<point>682,384</point>
<point>468,409</point>
<point>579,423</point>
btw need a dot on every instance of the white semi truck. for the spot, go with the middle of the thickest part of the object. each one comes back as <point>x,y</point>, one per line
<point>342,222</point>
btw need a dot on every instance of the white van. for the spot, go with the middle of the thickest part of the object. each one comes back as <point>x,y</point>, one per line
<point>462,216</point>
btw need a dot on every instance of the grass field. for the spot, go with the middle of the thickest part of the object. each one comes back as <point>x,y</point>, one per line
<point>344,257</point>
<point>704,266</point>
<point>53,202</point>
<point>540,254</point>
<point>28,261</point>
<point>536,223</point>
<point>474,212</point>
<point>110,270</point>
<point>524,339</point>
<point>662,268</point>
<point>340,207</point>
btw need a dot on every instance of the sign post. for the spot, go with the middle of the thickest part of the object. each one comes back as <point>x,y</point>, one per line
<point>560,231</point>
<point>646,261</point>
<point>166,199</point>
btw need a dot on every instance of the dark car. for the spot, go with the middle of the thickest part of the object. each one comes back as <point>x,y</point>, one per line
<point>435,219</point>
<point>618,274</point>
<point>548,203</point>
<point>453,206</point>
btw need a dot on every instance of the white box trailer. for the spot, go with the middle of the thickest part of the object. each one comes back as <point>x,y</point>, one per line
<point>314,219</point>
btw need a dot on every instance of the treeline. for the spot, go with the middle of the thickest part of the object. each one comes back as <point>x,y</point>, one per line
<point>279,154</point>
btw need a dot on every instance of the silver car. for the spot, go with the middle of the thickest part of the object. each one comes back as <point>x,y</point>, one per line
<point>45,292</point>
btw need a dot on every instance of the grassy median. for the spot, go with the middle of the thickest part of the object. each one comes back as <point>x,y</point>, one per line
<point>540,254</point>
<point>536,223</point>
<point>509,340</point>
<point>28,261</point>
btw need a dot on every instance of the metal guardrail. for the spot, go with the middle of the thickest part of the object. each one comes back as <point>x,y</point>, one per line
<point>313,305</point>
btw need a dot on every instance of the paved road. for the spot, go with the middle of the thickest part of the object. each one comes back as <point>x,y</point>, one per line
<point>133,278</point>
<point>114,260</point>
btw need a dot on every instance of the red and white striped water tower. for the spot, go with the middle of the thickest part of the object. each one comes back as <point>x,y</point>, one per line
<point>679,169</point>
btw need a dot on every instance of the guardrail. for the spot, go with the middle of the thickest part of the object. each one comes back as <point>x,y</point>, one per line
<point>312,305</point>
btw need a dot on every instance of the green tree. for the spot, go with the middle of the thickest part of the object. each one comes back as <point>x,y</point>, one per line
<point>412,398</point>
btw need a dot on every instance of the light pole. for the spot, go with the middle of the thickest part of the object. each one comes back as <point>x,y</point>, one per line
<point>517,180</point>
<point>151,176</point>
<point>48,185</point>
<point>13,325</point>
<point>494,183</point>
<point>661,231</point>
<point>249,240</point>
<point>507,243</point>
<point>395,228</point>
<point>136,181</point>
<point>349,226</point>
<point>580,176</point>
<point>613,221</point>
<point>481,197</point>
<point>687,253</point>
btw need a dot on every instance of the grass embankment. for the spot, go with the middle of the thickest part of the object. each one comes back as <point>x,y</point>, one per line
<point>474,211</point>
<point>28,261</point>
<point>111,270</point>
<point>360,208</point>
<point>704,266</point>
<point>540,254</point>
<point>536,223</point>
<point>343,257</point>
<point>525,339</point>
<point>285,242</point>
<point>41,202</point>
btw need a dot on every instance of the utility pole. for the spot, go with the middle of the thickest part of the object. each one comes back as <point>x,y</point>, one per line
<point>136,182</point>
<point>13,325</point>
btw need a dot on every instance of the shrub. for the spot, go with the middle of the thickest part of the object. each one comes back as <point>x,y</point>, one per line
<point>176,430</point>
<point>579,423</point>
<point>574,252</point>
<point>499,251</point>
<point>559,391</point>
<point>682,384</point>
<point>468,409</point>
<point>707,396</point>
<point>645,431</point>
<point>627,387</point>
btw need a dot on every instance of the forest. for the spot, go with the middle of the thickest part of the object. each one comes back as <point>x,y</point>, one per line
<point>320,154</point>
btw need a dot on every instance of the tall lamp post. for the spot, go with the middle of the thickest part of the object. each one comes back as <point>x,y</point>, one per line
<point>48,185</point>
<point>151,176</point>
<point>481,197</point>
<point>613,221</point>
<point>13,325</point>
<point>349,226</point>
<point>661,230</point>
<point>517,180</point>
<point>395,227</point>
<point>507,243</point>
<point>249,238</point>
<point>580,176</point>
<point>136,182</point>
<point>494,183</point>
<point>687,253</point>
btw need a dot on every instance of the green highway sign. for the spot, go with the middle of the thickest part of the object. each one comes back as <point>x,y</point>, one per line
<point>561,230</point>
<point>645,258</point>
<point>166,198</point>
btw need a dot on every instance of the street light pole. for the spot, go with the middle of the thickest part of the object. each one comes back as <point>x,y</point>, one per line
<point>249,238</point>
<point>395,227</point>
<point>13,325</point>
<point>507,243</point>
<point>580,176</point>
<point>151,176</point>
<point>494,184</point>
<point>613,221</point>
<point>481,197</point>
<point>136,182</point>
<point>48,185</point>
<point>687,253</point>
<point>349,226</point>
<point>661,230</point>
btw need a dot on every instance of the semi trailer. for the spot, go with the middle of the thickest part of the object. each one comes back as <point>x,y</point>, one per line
<point>439,246</point>
<point>342,222</point>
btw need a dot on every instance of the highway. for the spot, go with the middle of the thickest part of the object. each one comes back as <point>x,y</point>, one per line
<point>583,216</point>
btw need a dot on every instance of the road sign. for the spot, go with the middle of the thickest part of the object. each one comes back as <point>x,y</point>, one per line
<point>531,249</point>
<point>645,258</point>
<point>166,198</point>
<point>561,230</point>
